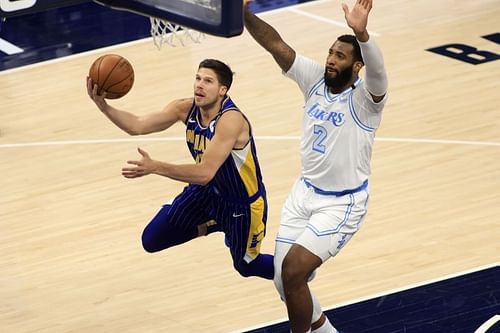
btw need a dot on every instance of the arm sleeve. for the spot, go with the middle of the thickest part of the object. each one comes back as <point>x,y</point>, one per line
<point>376,77</point>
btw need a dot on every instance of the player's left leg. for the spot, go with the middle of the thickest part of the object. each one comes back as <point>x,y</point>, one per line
<point>319,322</point>
<point>298,265</point>
<point>333,222</point>
<point>295,217</point>
<point>178,222</point>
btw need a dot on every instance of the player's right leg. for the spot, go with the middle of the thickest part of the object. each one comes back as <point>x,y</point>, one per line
<point>245,227</point>
<point>177,223</point>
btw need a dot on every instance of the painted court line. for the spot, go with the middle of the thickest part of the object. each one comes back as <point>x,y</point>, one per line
<point>297,10</point>
<point>326,20</point>
<point>443,142</point>
<point>264,138</point>
<point>384,293</point>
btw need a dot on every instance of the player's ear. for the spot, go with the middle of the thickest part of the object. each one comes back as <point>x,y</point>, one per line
<point>357,66</point>
<point>223,90</point>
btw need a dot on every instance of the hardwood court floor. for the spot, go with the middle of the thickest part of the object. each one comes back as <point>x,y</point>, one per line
<point>70,241</point>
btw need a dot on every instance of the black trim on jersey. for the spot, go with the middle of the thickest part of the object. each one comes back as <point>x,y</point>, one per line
<point>193,106</point>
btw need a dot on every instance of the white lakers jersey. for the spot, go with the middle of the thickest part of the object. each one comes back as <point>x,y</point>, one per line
<point>338,129</point>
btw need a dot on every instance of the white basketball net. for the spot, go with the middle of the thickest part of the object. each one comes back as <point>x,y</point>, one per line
<point>165,32</point>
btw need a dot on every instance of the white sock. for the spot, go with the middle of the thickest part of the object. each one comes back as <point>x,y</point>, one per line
<point>327,327</point>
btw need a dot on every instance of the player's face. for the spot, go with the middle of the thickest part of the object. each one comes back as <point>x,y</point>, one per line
<point>339,66</point>
<point>207,88</point>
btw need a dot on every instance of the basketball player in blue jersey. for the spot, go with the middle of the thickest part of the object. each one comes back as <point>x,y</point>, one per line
<point>329,201</point>
<point>225,191</point>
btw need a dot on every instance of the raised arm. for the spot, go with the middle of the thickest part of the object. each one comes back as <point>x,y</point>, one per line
<point>175,111</point>
<point>269,39</point>
<point>230,130</point>
<point>376,76</point>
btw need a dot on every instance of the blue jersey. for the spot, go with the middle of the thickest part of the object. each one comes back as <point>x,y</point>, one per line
<point>239,178</point>
<point>234,202</point>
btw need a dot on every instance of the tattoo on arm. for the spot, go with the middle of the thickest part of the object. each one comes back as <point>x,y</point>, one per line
<point>270,40</point>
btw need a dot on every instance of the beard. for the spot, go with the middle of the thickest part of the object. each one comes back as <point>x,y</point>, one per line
<point>340,81</point>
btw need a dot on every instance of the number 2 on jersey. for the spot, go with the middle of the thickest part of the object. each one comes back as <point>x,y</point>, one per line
<point>320,132</point>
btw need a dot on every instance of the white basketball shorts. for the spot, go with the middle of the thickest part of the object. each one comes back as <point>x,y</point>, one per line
<point>322,224</point>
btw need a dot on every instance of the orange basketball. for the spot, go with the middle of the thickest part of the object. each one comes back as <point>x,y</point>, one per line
<point>113,74</point>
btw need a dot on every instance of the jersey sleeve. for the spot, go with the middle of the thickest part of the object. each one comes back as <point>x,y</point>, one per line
<point>305,72</point>
<point>367,111</point>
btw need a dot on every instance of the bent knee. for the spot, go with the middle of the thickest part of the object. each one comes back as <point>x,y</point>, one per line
<point>299,264</point>
<point>293,271</point>
<point>150,244</point>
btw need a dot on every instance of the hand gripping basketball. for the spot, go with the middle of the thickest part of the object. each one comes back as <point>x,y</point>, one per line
<point>113,74</point>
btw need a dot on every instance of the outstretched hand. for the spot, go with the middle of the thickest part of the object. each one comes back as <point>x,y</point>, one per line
<point>99,100</point>
<point>357,18</point>
<point>142,168</point>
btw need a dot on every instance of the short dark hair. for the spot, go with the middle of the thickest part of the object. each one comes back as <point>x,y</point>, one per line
<point>356,50</point>
<point>223,72</point>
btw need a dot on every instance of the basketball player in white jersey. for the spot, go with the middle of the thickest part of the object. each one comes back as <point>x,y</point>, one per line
<point>329,201</point>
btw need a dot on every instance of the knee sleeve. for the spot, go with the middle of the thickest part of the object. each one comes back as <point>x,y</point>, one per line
<point>316,308</point>
<point>278,283</point>
<point>161,234</point>
<point>279,254</point>
<point>155,239</point>
<point>149,241</point>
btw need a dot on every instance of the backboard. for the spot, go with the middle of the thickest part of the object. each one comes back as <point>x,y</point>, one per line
<point>222,18</point>
<point>11,8</point>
